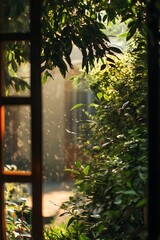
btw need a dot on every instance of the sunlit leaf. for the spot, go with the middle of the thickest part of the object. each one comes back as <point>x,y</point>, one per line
<point>86,170</point>
<point>45,76</point>
<point>99,95</point>
<point>77,106</point>
<point>78,164</point>
<point>83,237</point>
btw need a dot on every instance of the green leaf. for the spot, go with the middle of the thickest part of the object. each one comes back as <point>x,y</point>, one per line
<point>14,65</point>
<point>63,214</point>
<point>122,35</point>
<point>131,32</point>
<point>86,170</point>
<point>106,97</point>
<point>72,171</point>
<point>99,17</point>
<point>104,17</point>
<point>115,49</point>
<point>45,76</point>
<point>112,65</point>
<point>71,220</point>
<point>79,182</point>
<point>93,105</point>
<point>110,60</point>
<point>103,66</point>
<point>130,192</point>
<point>78,164</point>
<point>118,200</point>
<point>83,237</point>
<point>141,203</point>
<point>76,106</point>
<point>96,148</point>
<point>68,46</point>
<point>99,95</point>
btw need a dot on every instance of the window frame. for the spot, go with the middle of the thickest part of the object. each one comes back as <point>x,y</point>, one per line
<point>35,102</point>
<point>36,106</point>
<point>153,58</point>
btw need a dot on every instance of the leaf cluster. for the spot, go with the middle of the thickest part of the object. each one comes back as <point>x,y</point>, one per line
<point>111,185</point>
<point>66,24</point>
<point>18,214</point>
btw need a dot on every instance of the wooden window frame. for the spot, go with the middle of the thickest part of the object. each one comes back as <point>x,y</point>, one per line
<point>35,102</point>
<point>153,59</point>
<point>36,125</point>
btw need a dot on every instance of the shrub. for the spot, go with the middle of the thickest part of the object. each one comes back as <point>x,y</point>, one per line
<point>111,185</point>
<point>18,214</point>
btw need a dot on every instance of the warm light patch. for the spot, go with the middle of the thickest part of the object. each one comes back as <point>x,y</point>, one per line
<point>2,121</point>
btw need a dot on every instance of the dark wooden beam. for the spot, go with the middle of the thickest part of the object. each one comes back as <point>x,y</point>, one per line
<point>36,113</point>
<point>154,121</point>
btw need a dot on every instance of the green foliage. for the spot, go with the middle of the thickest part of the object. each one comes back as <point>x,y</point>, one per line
<point>61,233</point>
<point>111,185</point>
<point>110,196</point>
<point>82,23</point>
<point>15,16</point>
<point>65,24</point>
<point>18,214</point>
<point>70,23</point>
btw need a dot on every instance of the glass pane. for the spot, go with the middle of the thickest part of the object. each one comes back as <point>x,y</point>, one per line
<point>15,16</point>
<point>16,68</point>
<point>17,138</point>
<point>18,211</point>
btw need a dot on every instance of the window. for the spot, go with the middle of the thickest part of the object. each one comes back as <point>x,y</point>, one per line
<point>27,35</point>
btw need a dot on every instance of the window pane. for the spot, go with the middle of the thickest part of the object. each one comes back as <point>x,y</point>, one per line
<point>17,211</point>
<point>16,68</point>
<point>15,16</point>
<point>17,138</point>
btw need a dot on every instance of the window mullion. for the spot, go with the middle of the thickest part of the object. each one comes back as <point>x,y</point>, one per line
<point>36,108</point>
<point>154,121</point>
<point>2,129</point>
<point>35,178</point>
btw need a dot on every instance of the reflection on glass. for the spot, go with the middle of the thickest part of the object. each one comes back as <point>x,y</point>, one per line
<point>16,68</point>
<point>18,211</point>
<point>17,139</point>
<point>15,15</point>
